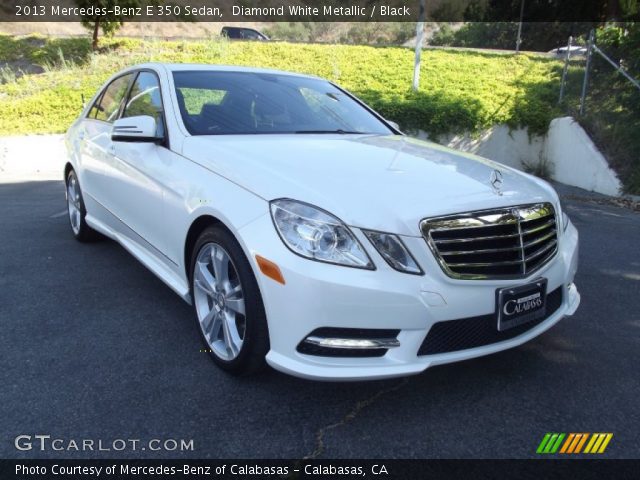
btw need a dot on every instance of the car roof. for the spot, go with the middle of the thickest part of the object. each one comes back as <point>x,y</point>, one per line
<point>199,67</point>
<point>239,28</point>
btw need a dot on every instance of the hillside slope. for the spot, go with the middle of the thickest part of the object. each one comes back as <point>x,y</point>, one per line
<point>459,91</point>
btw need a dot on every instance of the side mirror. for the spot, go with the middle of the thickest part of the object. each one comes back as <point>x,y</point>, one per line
<point>135,129</point>
<point>393,124</point>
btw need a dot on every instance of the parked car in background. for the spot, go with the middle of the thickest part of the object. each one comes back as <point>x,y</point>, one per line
<point>306,230</point>
<point>241,33</point>
<point>575,50</point>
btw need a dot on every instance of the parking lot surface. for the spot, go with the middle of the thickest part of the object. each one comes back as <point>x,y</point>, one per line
<point>94,346</point>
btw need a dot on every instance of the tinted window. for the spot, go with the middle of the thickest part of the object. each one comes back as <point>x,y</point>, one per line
<point>145,99</point>
<point>231,32</point>
<point>251,34</point>
<point>112,99</point>
<point>195,99</point>
<point>218,103</point>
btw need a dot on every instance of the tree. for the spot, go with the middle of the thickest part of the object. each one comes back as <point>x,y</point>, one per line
<point>108,23</point>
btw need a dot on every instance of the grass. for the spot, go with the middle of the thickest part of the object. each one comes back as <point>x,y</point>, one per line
<point>460,91</point>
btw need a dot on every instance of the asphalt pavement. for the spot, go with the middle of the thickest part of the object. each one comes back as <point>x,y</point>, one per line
<point>94,346</point>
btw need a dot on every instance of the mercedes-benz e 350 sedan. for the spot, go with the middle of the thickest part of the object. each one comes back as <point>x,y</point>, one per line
<point>307,231</point>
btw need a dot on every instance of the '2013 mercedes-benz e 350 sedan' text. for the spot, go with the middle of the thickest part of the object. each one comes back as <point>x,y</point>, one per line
<point>307,231</point>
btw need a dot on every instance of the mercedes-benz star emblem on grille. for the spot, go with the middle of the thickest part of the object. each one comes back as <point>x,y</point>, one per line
<point>496,181</point>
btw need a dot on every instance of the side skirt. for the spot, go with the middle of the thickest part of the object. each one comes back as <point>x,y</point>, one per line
<point>140,249</point>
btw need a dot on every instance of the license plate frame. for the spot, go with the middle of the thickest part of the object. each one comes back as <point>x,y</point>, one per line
<point>526,303</point>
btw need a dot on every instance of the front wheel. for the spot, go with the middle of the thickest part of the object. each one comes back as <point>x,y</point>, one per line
<point>228,303</point>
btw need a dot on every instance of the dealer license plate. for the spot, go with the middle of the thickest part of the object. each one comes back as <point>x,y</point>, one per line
<point>522,304</point>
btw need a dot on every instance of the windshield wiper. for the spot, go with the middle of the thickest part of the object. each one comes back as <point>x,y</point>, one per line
<point>340,131</point>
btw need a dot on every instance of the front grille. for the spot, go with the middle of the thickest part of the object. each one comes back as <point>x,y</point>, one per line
<point>508,242</point>
<point>456,335</point>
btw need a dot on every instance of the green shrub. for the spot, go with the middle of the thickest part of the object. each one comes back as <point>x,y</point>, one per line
<point>499,35</point>
<point>444,37</point>
<point>291,31</point>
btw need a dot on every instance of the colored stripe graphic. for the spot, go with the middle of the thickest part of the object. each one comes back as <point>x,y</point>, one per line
<point>550,443</point>
<point>607,439</point>
<point>543,443</point>
<point>581,443</point>
<point>593,439</point>
<point>576,440</point>
<point>573,444</point>
<point>567,443</point>
<point>556,446</point>
<point>598,442</point>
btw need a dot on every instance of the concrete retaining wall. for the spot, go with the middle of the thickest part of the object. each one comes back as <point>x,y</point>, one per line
<point>569,154</point>
<point>577,161</point>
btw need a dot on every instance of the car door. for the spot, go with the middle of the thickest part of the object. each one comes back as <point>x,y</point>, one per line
<point>135,169</point>
<point>95,143</point>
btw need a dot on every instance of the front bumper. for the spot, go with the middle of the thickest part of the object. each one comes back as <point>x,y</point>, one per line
<point>318,295</point>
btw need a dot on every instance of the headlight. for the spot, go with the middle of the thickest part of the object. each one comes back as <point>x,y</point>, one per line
<point>394,252</point>
<point>315,234</point>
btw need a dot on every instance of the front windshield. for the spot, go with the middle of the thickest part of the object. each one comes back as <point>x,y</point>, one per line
<point>223,103</point>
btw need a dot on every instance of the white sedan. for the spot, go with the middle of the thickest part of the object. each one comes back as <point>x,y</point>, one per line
<point>307,231</point>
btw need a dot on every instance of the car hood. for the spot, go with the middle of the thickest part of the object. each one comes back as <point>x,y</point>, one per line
<point>386,183</point>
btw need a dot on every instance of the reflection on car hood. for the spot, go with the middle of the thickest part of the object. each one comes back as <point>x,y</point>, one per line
<point>386,183</point>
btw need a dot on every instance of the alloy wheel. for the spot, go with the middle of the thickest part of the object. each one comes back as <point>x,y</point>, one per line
<point>219,301</point>
<point>73,203</point>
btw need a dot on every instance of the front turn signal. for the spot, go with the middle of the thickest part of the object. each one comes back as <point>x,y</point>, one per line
<point>270,269</point>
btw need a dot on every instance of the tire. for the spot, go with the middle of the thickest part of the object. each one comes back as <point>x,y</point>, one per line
<point>229,309</point>
<point>77,211</point>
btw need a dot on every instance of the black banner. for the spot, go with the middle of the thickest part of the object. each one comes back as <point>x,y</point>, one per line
<point>309,10</point>
<point>575,469</point>
<point>212,10</point>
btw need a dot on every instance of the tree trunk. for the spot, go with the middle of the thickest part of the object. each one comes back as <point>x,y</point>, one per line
<point>96,31</point>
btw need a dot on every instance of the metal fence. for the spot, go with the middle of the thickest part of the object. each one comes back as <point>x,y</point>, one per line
<point>604,95</point>
<point>591,49</point>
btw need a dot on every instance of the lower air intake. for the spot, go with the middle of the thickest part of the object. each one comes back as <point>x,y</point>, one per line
<point>466,333</point>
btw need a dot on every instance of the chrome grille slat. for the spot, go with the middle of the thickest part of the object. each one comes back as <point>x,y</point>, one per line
<point>506,221</point>
<point>537,253</point>
<point>509,242</point>
<point>538,228</point>
<point>480,252</point>
<point>476,264</point>
<point>476,239</point>
<point>540,239</point>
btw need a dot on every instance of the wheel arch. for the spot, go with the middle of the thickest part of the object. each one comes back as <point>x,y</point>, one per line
<point>67,168</point>
<point>199,225</point>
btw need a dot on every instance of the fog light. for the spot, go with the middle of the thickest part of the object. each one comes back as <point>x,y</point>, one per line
<point>354,343</point>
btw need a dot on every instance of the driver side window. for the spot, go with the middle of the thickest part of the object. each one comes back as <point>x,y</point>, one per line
<point>112,99</point>
<point>145,99</point>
